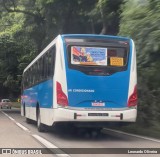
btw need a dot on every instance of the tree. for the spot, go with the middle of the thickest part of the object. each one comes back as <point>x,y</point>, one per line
<point>13,48</point>
<point>140,20</point>
<point>26,28</point>
<point>106,15</point>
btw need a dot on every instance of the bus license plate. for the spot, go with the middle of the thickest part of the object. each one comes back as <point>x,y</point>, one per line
<point>98,114</point>
<point>98,104</point>
<point>116,61</point>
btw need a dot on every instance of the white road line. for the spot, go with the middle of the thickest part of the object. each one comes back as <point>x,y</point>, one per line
<point>133,135</point>
<point>11,118</point>
<point>50,145</point>
<point>22,127</point>
<point>8,116</point>
<point>18,124</point>
<point>4,113</point>
<point>46,143</point>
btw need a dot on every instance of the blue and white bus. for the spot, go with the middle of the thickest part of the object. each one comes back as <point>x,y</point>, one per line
<point>89,80</point>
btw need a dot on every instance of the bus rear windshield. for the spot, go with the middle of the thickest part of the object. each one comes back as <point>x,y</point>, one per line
<point>98,58</point>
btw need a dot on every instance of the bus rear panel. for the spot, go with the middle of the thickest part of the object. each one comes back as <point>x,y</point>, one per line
<point>100,80</point>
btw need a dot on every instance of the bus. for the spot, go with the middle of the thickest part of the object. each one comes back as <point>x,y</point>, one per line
<point>81,79</point>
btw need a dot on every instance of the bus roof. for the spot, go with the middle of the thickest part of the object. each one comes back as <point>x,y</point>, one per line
<point>75,36</point>
<point>95,36</point>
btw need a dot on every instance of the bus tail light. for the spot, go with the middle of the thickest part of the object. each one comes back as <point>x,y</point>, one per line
<point>61,97</point>
<point>133,98</point>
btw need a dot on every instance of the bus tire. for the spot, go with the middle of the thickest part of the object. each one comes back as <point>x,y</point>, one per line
<point>40,126</point>
<point>24,110</point>
<point>29,121</point>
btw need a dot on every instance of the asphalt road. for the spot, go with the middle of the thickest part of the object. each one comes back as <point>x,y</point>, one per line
<point>16,133</point>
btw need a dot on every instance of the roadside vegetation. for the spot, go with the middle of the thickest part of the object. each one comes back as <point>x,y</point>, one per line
<point>26,27</point>
<point>140,21</point>
<point>16,104</point>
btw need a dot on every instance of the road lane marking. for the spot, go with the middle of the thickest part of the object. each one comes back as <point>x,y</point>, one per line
<point>133,135</point>
<point>8,116</point>
<point>11,118</point>
<point>48,144</point>
<point>18,124</point>
<point>22,127</point>
<point>44,141</point>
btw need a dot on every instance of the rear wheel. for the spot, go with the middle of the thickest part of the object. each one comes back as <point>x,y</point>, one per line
<point>90,132</point>
<point>40,126</point>
<point>29,121</point>
<point>24,110</point>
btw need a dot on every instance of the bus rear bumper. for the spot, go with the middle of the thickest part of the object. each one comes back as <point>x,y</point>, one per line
<point>70,115</point>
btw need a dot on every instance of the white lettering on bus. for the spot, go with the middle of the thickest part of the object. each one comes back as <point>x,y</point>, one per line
<point>82,90</point>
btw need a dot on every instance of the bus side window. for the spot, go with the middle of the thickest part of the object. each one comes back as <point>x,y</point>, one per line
<point>46,65</point>
<point>23,82</point>
<point>41,69</point>
<point>53,52</point>
<point>35,73</point>
<point>31,77</point>
<point>38,72</point>
<point>29,73</point>
<point>26,79</point>
<point>50,63</point>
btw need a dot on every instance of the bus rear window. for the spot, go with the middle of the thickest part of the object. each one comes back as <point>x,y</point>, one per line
<point>98,58</point>
<point>117,57</point>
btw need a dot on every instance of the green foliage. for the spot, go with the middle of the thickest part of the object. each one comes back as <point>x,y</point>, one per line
<point>105,14</point>
<point>14,45</point>
<point>10,24</point>
<point>140,20</point>
<point>26,27</point>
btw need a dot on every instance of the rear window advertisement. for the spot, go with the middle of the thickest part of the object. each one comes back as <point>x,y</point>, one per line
<point>88,55</point>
